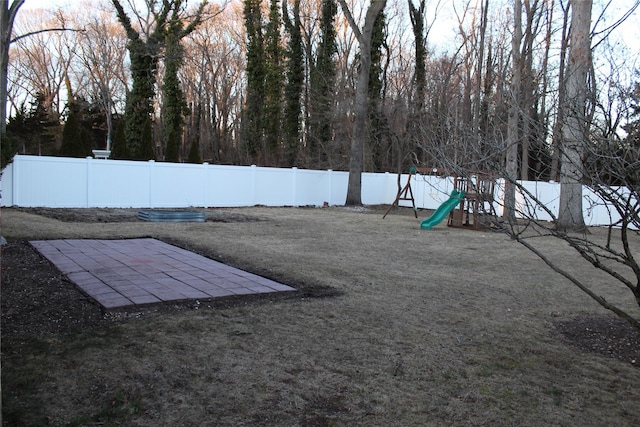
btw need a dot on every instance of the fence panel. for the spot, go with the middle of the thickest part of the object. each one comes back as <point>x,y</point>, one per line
<point>312,188</point>
<point>175,185</point>
<point>34,181</point>
<point>117,184</point>
<point>55,182</point>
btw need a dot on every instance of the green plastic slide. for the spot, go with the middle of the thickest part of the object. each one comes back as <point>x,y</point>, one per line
<point>443,210</point>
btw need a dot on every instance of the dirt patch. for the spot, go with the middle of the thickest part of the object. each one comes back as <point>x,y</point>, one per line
<point>116,215</point>
<point>604,335</point>
<point>447,327</point>
<point>38,301</point>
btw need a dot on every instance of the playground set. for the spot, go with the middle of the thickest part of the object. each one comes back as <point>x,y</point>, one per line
<point>472,195</point>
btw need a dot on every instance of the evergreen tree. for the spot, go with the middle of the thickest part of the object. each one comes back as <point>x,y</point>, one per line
<point>194,152</point>
<point>16,134</point>
<point>31,132</point>
<point>294,85</point>
<point>119,142</point>
<point>252,116</point>
<point>322,79</point>
<point>74,140</point>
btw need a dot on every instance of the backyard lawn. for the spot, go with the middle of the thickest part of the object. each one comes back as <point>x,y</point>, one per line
<point>390,325</point>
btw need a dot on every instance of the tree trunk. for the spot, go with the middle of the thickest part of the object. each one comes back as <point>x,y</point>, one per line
<point>509,212</point>
<point>575,127</point>
<point>557,127</point>
<point>7,16</point>
<point>359,134</point>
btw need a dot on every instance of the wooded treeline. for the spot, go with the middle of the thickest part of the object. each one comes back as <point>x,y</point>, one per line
<point>272,82</point>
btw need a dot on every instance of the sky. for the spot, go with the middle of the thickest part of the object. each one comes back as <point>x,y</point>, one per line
<point>630,27</point>
<point>628,34</point>
<point>46,4</point>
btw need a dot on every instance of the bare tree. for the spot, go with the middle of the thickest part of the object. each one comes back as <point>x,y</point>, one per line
<point>576,125</point>
<point>511,167</point>
<point>354,189</point>
<point>41,56</point>
<point>213,78</point>
<point>102,55</point>
<point>7,18</point>
<point>607,168</point>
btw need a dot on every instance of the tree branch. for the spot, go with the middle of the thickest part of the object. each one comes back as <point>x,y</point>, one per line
<point>46,30</point>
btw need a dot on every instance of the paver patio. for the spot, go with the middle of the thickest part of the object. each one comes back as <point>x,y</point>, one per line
<point>120,273</point>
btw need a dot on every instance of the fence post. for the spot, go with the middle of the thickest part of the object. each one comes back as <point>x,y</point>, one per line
<point>253,184</point>
<point>17,159</point>
<point>330,192</point>
<point>294,185</point>
<point>150,166</point>
<point>89,181</point>
<point>205,186</point>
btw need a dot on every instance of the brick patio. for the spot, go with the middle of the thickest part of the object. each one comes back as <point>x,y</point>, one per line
<point>126,272</point>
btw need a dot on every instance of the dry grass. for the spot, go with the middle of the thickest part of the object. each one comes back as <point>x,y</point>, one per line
<point>442,327</point>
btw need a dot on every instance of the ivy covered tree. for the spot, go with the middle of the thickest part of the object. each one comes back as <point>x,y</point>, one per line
<point>147,150</point>
<point>144,55</point>
<point>322,81</point>
<point>274,82</point>
<point>251,131</point>
<point>295,84</point>
<point>375,115</point>
<point>175,106</point>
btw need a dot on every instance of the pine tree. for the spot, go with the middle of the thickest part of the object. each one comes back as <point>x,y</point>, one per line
<point>73,142</point>
<point>31,131</point>
<point>194,152</point>
<point>119,142</point>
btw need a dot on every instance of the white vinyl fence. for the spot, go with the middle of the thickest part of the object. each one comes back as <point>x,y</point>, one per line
<point>58,182</point>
